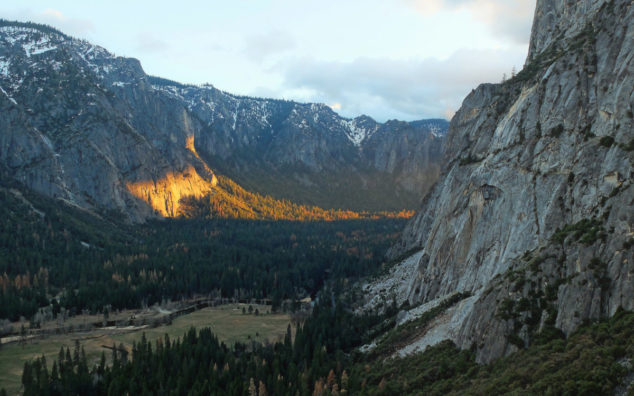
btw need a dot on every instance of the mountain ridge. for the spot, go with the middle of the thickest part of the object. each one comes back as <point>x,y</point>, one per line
<point>83,124</point>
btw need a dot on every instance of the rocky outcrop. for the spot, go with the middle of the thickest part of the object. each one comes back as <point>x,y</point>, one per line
<point>533,216</point>
<point>85,126</point>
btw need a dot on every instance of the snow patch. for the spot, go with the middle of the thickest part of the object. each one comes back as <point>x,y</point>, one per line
<point>169,89</point>
<point>355,133</point>
<point>42,50</point>
<point>4,67</point>
<point>7,95</point>
<point>15,34</point>
<point>235,115</point>
<point>36,47</point>
<point>18,29</point>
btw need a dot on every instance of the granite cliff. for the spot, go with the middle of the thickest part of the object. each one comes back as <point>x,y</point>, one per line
<point>532,219</point>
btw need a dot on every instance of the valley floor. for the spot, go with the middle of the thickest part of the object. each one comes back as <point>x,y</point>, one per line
<point>228,322</point>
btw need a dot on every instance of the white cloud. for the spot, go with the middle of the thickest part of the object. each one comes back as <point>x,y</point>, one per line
<point>404,89</point>
<point>262,46</point>
<point>509,18</point>
<point>74,26</point>
<point>55,14</point>
<point>370,56</point>
<point>77,27</point>
<point>147,42</point>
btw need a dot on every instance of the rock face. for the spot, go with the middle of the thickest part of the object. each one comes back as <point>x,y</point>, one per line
<point>85,126</point>
<point>309,153</point>
<point>533,215</point>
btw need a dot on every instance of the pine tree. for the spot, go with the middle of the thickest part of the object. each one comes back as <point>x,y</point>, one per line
<point>252,390</point>
<point>344,381</point>
<point>332,379</point>
<point>27,376</point>
<point>54,373</point>
<point>319,387</point>
<point>262,389</point>
<point>101,369</point>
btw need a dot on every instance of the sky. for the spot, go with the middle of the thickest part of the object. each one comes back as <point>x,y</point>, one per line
<point>389,59</point>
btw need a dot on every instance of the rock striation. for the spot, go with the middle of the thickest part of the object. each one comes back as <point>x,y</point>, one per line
<point>533,215</point>
<point>83,125</point>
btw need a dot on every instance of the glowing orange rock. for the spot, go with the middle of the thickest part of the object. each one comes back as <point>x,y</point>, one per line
<point>164,194</point>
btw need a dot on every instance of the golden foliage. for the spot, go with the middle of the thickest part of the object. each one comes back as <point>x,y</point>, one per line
<point>187,194</point>
<point>229,200</point>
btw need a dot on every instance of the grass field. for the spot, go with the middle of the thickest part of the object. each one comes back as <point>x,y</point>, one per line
<point>227,322</point>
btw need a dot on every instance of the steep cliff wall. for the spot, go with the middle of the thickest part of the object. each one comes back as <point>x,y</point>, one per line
<point>534,214</point>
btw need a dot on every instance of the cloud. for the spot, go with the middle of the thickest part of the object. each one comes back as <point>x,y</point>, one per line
<point>509,18</point>
<point>77,27</point>
<point>74,26</point>
<point>403,89</point>
<point>147,42</point>
<point>261,47</point>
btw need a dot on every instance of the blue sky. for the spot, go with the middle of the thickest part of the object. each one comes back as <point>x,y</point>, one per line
<point>403,59</point>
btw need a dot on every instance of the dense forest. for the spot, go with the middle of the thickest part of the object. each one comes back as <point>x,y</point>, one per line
<point>229,200</point>
<point>55,256</point>
<point>321,361</point>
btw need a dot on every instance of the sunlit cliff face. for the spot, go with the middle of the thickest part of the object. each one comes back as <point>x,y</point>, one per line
<point>164,194</point>
<point>189,145</point>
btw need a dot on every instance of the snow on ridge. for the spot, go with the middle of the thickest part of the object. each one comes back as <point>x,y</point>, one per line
<point>14,29</point>
<point>434,128</point>
<point>169,89</point>
<point>42,50</point>
<point>90,52</point>
<point>97,58</point>
<point>435,131</point>
<point>7,95</point>
<point>4,67</point>
<point>318,107</point>
<point>33,41</point>
<point>13,34</point>
<point>235,115</point>
<point>355,133</point>
<point>39,46</point>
